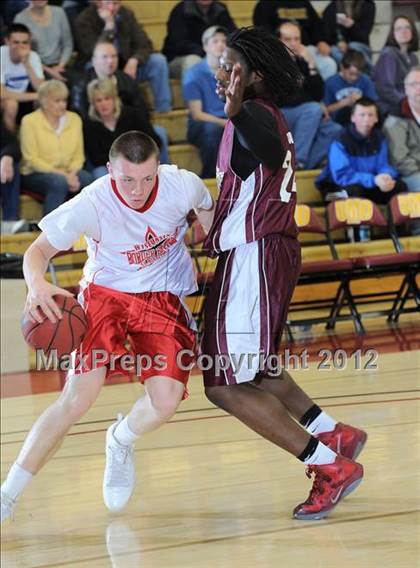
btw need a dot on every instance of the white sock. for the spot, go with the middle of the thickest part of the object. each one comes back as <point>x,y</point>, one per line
<point>16,481</point>
<point>322,423</point>
<point>123,433</point>
<point>321,456</point>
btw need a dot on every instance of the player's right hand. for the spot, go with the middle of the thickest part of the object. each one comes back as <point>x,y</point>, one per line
<point>40,301</point>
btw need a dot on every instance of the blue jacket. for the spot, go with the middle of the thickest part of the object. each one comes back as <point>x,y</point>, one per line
<point>355,160</point>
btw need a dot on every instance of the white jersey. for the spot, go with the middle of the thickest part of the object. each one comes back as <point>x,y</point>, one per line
<point>131,250</point>
<point>14,76</point>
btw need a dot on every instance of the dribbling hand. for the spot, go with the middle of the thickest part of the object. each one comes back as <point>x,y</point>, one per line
<point>40,301</point>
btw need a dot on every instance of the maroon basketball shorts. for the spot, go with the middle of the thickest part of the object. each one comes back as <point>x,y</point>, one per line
<point>247,309</point>
<point>143,334</point>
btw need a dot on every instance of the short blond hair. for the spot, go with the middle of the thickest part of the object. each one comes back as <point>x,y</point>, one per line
<point>52,87</point>
<point>107,88</point>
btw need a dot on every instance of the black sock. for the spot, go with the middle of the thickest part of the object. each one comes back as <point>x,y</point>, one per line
<point>309,450</point>
<point>310,415</point>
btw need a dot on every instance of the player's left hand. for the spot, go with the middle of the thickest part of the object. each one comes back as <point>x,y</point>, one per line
<point>235,91</point>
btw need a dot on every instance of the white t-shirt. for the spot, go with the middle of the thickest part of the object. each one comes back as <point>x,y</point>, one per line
<point>128,250</point>
<point>14,75</point>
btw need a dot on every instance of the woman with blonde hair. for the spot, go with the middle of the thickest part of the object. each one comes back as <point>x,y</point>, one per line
<point>51,141</point>
<point>108,118</point>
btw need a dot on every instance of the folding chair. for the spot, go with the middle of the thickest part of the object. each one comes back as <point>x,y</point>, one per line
<point>353,212</point>
<point>403,210</point>
<point>320,271</point>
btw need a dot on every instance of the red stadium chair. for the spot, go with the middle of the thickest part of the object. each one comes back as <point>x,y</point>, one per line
<point>403,210</point>
<point>354,212</point>
<point>323,271</point>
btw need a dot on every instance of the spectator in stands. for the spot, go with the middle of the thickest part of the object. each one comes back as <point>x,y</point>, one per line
<point>105,65</point>
<point>403,133</point>
<point>207,116</point>
<point>21,75</point>
<point>395,60</point>
<point>186,25</point>
<point>52,147</point>
<point>51,36</point>
<point>348,25</point>
<point>271,13</point>
<point>109,19</point>
<point>358,160</point>
<point>9,174</point>
<point>311,127</point>
<point>346,87</point>
<point>108,118</point>
<point>72,9</point>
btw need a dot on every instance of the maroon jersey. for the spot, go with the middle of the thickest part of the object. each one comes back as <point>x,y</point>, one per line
<point>264,203</point>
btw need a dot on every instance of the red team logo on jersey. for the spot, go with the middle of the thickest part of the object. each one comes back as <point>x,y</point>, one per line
<point>154,247</point>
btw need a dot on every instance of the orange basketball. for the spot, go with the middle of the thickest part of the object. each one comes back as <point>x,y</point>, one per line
<point>62,337</point>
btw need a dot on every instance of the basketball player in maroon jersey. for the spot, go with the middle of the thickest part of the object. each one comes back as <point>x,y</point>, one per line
<point>255,237</point>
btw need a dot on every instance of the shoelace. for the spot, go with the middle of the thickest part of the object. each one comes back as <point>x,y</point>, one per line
<point>118,467</point>
<point>317,487</point>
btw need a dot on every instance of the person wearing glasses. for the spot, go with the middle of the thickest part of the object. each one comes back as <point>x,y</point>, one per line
<point>396,59</point>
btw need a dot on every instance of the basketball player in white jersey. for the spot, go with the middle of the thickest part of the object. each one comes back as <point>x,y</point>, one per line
<point>138,270</point>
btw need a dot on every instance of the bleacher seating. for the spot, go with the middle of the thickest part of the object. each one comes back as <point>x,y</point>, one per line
<point>153,16</point>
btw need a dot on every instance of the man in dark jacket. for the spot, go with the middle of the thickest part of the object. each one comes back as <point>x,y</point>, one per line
<point>311,127</point>
<point>271,13</point>
<point>110,20</point>
<point>186,25</point>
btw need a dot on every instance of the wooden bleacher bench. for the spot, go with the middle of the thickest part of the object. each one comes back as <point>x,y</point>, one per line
<point>175,123</point>
<point>176,92</point>
<point>154,15</point>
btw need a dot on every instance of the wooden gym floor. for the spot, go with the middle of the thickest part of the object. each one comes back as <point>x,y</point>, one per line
<point>210,492</point>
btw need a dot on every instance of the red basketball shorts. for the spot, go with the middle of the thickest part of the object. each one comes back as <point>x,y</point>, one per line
<point>146,334</point>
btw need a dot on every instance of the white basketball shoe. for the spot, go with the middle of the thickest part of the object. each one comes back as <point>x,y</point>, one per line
<point>7,505</point>
<point>119,475</point>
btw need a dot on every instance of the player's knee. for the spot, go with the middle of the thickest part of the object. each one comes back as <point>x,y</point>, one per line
<point>218,396</point>
<point>74,405</point>
<point>165,406</point>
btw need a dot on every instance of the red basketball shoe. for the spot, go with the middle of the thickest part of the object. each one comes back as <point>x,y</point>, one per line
<point>344,440</point>
<point>332,482</point>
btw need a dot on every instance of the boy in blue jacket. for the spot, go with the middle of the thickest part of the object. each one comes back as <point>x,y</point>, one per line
<point>358,160</point>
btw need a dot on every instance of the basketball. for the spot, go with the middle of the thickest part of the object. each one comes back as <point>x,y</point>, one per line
<point>61,337</point>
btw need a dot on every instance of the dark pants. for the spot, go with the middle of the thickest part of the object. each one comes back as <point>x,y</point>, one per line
<point>374,193</point>
<point>10,193</point>
<point>53,187</point>
<point>206,136</point>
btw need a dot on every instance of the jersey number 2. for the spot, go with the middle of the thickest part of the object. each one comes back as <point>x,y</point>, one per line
<point>287,165</point>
